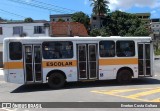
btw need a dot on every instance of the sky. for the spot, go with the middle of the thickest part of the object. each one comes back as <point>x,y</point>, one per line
<point>41,9</point>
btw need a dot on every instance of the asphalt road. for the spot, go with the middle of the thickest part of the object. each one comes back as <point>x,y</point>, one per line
<point>140,90</point>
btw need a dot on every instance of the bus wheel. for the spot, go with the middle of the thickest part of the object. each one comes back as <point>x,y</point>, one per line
<point>56,80</point>
<point>124,77</point>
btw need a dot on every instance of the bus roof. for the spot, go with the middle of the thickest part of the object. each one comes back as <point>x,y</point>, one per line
<point>75,38</point>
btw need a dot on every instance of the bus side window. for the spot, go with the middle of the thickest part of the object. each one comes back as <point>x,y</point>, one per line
<point>58,50</point>
<point>125,48</point>
<point>15,50</point>
<point>107,48</point>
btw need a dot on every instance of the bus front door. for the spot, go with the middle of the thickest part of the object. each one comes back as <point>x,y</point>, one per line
<point>87,61</point>
<point>144,59</point>
<point>32,63</point>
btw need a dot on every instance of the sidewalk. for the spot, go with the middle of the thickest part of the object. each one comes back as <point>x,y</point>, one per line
<point>1,71</point>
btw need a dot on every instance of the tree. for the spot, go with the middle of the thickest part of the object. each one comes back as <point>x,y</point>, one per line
<point>1,19</point>
<point>122,24</point>
<point>81,18</point>
<point>28,20</point>
<point>99,32</point>
<point>100,7</point>
<point>61,20</point>
<point>125,24</point>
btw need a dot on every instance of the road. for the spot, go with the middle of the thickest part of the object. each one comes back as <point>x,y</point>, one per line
<point>140,90</point>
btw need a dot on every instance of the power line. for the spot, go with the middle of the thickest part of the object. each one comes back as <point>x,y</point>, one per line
<point>38,6</point>
<point>34,5</point>
<point>12,13</point>
<point>54,6</point>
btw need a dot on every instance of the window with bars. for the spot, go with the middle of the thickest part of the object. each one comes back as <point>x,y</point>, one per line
<point>17,30</point>
<point>39,30</point>
<point>1,31</point>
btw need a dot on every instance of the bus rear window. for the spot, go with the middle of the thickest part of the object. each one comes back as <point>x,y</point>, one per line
<point>15,51</point>
<point>57,50</point>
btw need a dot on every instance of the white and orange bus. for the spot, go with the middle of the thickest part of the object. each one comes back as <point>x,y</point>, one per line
<point>56,60</point>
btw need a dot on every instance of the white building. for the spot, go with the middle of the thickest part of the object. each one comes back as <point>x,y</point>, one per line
<point>65,17</point>
<point>21,29</point>
<point>155,26</point>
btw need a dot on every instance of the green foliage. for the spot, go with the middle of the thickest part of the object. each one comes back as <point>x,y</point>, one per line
<point>157,52</point>
<point>98,32</point>
<point>100,7</point>
<point>28,20</point>
<point>81,18</point>
<point>61,20</point>
<point>124,24</point>
<point>1,19</point>
<point>141,31</point>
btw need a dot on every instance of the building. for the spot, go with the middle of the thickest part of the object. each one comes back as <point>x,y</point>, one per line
<point>65,17</point>
<point>155,26</point>
<point>145,17</point>
<point>59,29</point>
<point>97,21</point>
<point>155,29</point>
<point>21,29</point>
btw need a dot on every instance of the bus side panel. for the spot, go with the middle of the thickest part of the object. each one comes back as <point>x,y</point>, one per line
<point>106,72</point>
<point>5,60</point>
<point>15,72</point>
<point>110,71</point>
<point>70,72</point>
<point>16,76</point>
<point>13,69</point>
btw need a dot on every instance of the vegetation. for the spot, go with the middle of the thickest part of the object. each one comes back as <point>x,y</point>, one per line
<point>98,32</point>
<point>28,20</point>
<point>100,7</point>
<point>61,20</point>
<point>157,47</point>
<point>81,18</point>
<point>1,19</point>
<point>123,24</point>
<point>157,52</point>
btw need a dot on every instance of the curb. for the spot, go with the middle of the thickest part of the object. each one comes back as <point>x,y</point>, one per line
<point>156,58</point>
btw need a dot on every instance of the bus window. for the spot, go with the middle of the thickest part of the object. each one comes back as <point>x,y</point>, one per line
<point>107,48</point>
<point>57,50</point>
<point>125,48</point>
<point>15,51</point>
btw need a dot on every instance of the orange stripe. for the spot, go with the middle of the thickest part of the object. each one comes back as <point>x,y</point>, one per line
<point>72,63</point>
<point>118,61</point>
<point>61,63</point>
<point>13,65</point>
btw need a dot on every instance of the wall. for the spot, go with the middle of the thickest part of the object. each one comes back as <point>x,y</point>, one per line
<point>28,28</point>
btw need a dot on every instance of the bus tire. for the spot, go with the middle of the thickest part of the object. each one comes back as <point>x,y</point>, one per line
<point>56,80</point>
<point>124,77</point>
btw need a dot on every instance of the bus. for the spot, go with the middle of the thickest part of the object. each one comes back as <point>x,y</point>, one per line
<point>57,60</point>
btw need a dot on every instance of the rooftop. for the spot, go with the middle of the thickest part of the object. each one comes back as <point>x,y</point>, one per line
<point>60,15</point>
<point>22,21</point>
<point>143,14</point>
<point>68,29</point>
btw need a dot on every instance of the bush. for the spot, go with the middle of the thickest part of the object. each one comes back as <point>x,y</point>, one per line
<point>157,52</point>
